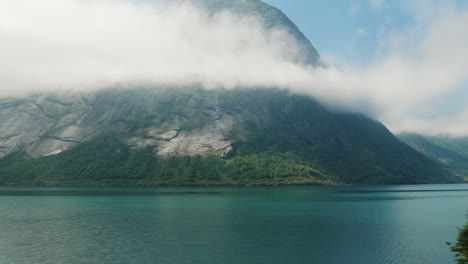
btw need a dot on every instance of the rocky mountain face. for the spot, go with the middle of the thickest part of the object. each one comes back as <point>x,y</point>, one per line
<point>172,121</point>
<point>244,126</point>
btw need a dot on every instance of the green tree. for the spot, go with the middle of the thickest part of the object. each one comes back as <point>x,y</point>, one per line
<point>460,248</point>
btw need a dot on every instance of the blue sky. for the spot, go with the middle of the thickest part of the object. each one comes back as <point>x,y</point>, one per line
<point>350,29</point>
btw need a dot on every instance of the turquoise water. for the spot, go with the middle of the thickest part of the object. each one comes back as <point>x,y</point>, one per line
<point>375,225</point>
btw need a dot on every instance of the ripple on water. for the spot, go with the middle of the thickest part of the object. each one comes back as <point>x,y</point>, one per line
<point>360,225</point>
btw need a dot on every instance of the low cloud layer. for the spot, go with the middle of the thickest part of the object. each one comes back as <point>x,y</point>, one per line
<point>88,44</point>
<point>77,43</point>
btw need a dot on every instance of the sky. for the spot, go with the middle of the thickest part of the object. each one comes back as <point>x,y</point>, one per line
<point>402,62</point>
<point>351,30</point>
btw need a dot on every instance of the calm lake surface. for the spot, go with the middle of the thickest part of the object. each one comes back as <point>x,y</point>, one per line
<point>375,225</point>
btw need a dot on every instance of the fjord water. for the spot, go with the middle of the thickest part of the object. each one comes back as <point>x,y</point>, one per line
<point>383,224</point>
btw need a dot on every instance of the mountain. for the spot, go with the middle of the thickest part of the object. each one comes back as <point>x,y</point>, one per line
<point>155,135</point>
<point>194,136</point>
<point>270,17</point>
<point>449,152</point>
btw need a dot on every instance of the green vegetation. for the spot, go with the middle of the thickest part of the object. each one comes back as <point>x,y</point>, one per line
<point>107,161</point>
<point>451,153</point>
<point>460,248</point>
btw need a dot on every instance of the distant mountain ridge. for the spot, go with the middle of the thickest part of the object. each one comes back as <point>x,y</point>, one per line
<point>449,152</point>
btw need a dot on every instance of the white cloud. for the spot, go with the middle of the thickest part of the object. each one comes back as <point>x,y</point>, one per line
<point>78,43</point>
<point>94,43</point>
<point>447,124</point>
<point>360,33</point>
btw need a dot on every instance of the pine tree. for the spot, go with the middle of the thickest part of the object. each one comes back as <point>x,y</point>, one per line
<point>460,248</point>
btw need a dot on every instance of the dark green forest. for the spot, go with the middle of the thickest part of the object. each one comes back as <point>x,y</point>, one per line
<point>107,161</point>
<point>460,248</point>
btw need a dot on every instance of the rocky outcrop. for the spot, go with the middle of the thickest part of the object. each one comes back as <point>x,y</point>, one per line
<point>171,121</point>
<point>40,125</point>
<point>172,141</point>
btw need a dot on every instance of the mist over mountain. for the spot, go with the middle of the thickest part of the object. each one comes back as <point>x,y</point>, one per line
<point>63,45</point>
<point>248,133</point>
<point>271,18</point>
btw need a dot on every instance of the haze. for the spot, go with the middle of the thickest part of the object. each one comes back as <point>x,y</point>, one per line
<point>82,45</point>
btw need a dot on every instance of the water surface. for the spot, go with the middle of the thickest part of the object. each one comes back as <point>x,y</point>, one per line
<point>353,225</point>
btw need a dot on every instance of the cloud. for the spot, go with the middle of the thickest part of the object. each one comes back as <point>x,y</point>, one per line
<point>78,43</point>
<point>360,33</point>
<point>446,124</point>
<point>87,44</point>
